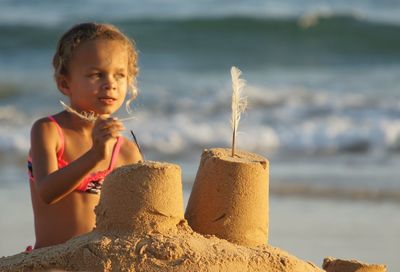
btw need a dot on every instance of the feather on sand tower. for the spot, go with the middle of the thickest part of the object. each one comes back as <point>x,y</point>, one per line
<point>229,198</point>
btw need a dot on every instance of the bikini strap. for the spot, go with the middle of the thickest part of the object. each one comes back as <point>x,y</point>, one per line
<point>115,153</point>
<point>60,152</point>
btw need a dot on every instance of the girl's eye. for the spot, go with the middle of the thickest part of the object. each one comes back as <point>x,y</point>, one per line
<point>120,76</point>
<point>95,75</point>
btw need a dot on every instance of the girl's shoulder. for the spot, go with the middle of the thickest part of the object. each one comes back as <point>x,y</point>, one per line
<point>129,152</point>
<point>44,124</point>
<point>45,131</point>
<point>50,122</point>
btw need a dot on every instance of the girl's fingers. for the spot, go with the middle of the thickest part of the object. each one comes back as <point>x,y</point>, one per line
<point>113,129</point>
<point>106,129</point>
<point>113,125</point>
<point>108,134</point>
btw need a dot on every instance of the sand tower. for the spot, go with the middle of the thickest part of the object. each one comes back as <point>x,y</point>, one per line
<point>229,198</point>
<point>142,198</point>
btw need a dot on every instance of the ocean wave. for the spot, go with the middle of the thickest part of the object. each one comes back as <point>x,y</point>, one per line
<point>13,12</point>
<point>14,130</point>
<point>321,38</point>
<point>180,133</point>
<point>14,141</point>
<point>11,116</point>
<point>8,89</point>
<point>287,120</point>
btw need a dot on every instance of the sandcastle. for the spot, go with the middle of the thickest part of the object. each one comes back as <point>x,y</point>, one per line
<point>140,227</point>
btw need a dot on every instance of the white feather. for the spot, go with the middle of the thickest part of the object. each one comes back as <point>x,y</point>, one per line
<point>239,102</point>
<point>88,116</point>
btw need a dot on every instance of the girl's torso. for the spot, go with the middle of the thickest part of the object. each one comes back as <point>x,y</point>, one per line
<point>74,214</point>
<point>58,222</point>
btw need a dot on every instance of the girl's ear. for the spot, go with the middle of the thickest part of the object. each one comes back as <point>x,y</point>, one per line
<point>63,85</point>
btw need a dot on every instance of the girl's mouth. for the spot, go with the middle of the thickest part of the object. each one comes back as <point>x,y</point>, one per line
<point>107,100</point>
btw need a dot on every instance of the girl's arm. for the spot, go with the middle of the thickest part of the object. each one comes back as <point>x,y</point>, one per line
<point>52,183</point>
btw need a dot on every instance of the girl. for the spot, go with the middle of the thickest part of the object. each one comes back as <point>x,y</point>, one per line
<point>70,156</point>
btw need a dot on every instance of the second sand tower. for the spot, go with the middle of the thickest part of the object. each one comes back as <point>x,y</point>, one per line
<point>229,198</point>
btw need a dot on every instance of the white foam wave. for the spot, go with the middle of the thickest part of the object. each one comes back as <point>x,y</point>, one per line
<point>179,133</point>
<point>286,119</point>
<point>14,140</point>
<point>10,114</point>
<point>14,130</point>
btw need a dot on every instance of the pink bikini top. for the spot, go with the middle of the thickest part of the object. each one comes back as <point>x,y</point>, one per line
<point>92,183</point>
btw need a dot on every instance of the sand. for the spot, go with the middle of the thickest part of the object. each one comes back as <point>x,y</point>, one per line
<point>183,250</point>
<point>229,198</point>
<point>337,265</point>
<point>140,227</point>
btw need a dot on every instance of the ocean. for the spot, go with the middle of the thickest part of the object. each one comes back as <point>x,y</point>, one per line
<point>323,83</point>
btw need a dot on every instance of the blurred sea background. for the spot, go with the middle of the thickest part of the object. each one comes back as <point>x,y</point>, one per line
<point>323,84</point>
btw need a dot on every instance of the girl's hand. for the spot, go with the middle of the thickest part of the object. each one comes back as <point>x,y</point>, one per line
<point>105,131</point>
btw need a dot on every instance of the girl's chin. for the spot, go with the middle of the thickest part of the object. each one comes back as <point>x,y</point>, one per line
<point>105,112</point>
<point>106,109</point>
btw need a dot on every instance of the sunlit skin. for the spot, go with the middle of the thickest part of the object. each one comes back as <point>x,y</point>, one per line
<point>96,81</point>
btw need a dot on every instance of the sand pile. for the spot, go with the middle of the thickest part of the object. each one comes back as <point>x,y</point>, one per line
<point>229,198</point>
<point>140,227</point>
<point>183,251</point>
<point>336,265</point>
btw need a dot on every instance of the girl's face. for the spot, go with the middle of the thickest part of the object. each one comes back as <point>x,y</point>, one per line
<point>98,76</point>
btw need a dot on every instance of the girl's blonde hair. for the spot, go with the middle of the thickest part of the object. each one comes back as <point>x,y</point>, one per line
<point>81,33</point>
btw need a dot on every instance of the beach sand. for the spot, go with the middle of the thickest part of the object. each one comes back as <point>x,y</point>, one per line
<point>180,250</point>
<point>151,235</point>
<point>337,265</point>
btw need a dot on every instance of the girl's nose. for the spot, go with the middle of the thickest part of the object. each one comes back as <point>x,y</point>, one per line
<point>110,83</point>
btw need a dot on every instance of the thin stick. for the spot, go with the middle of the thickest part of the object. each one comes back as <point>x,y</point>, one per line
<point>233,142</point>
<point>137,144</point>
